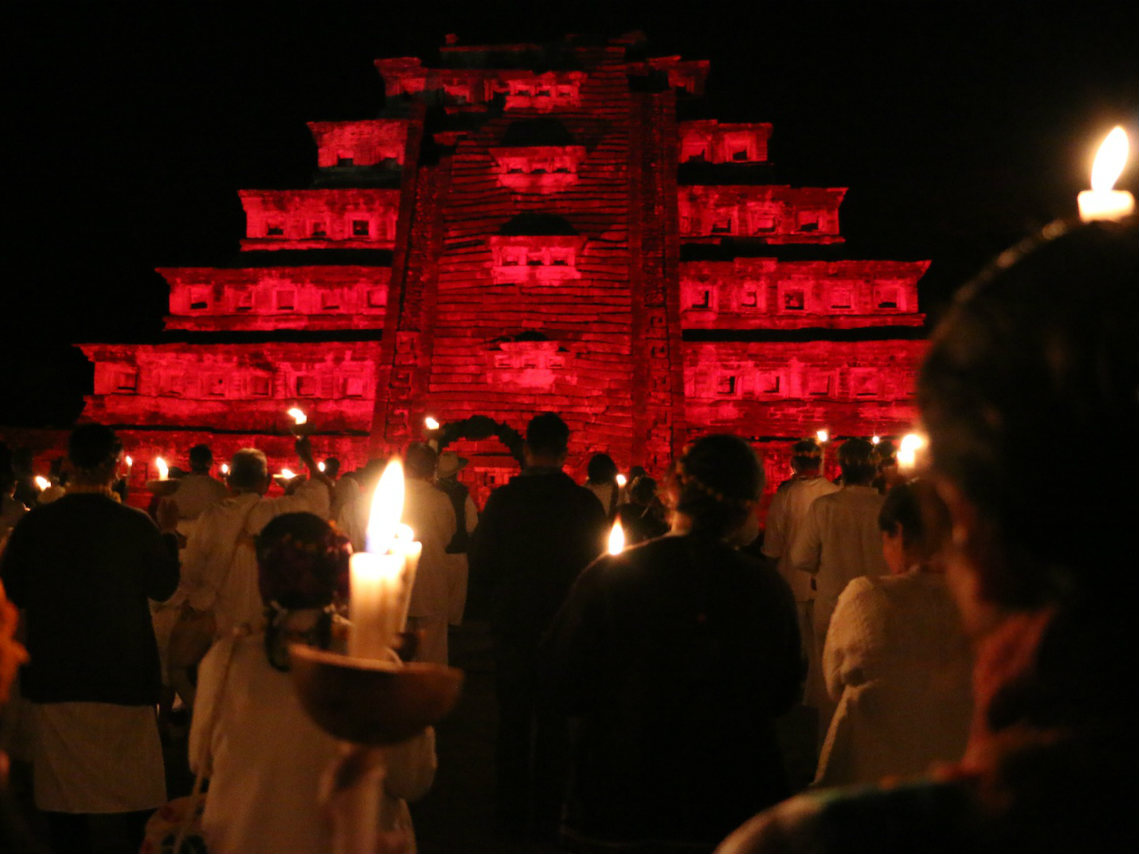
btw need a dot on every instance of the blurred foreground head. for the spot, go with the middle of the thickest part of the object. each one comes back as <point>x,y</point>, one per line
<point>1038,357</point>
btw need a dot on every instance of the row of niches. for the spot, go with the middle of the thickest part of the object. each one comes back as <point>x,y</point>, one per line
<point>792,297</point>
<point>798,383</point>
<point>757,222</point>
<point>278,298</point>
<point>353,227</point>
<point>237,384</point>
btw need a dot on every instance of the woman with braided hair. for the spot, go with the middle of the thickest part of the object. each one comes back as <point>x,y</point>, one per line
<point>676,655</point>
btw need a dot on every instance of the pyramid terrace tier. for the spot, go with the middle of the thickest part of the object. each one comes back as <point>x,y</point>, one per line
<point>710,141</point>
<point>356,218</point>
<point>765,293</point>
<point>364,143</point>
<point>234,387</point>
<point>219,299</point>
<point>772,214</point>
<point>850,388</point>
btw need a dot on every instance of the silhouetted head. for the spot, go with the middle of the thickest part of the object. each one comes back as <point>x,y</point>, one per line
<point>94,451</point>
<point>858,461</point>
<point>419,461</point>
<point>716,484</point>
<point>249,471</point>
<point>201,458</point>
<point>547,438</point>
<point>806,456</point>
<point>601,469</point>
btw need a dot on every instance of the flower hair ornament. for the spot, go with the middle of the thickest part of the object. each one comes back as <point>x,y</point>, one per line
<point>687,478</point>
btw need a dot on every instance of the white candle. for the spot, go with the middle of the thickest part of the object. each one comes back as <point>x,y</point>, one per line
<point>616,539</point>
<point>383,574</point>
<point>1102,201</point>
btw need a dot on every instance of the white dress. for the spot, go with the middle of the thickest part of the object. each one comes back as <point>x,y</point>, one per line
<point>265,759</point>
<point>899,665</point>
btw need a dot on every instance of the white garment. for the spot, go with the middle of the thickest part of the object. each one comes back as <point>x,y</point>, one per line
<point>459,572</point>
<point>428,511</point>
<point>784,518</point>
<point>898,662</point>
<point>197,492</point>
<point>265,759</point>
<point>605,493</point>
<point>219,564</point>
<point>839,540</point>
<point>96,758</point>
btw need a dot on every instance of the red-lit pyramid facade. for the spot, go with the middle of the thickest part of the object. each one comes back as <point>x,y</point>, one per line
<point>528,228</point>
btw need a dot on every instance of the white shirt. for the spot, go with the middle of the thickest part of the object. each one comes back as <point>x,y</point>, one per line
<point>785,516</point>
<point>265,759</point>
<point>898,662</point>
<point>429,512</point>
<point>839,540</point>
<point>219,565</point>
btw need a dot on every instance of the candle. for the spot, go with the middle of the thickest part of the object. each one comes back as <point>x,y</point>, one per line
<point>616,539</point>
<point>163,469</point>
<point>621,481</point>
<point>383,574</point>
<point>320,466</point>
<point>288,474</point>
<point>875,439</point>
<point>822,435</point>
<point>42,482</point>
<point>298,416</point>
<point>908,450</point>
<point>430,423</point>
<point>129,462</point>
<point>1102,201</point>
<point>224,469</point>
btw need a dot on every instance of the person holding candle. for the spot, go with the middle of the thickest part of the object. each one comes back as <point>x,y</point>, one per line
<point>428,511</point>
<point>264,755</point>
<point>677,655</point>
<point>219,574</point>
<point>1041,345</point>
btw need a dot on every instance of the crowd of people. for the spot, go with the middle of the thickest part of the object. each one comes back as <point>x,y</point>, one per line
<point>953,634</point>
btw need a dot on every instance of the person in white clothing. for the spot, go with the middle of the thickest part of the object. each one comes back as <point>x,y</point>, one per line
<point>268,762</point>
<point>428,511</point>
<point>197,491</point>
<point>897,660</point>
<point>219,568</point>
<point>839,541</point>
<point>467,519</point>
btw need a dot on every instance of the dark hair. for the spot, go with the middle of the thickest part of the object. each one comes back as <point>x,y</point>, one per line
<point>1040,351</point>
<point>601,469</point>
<point>93,445</point>
<point>420,459</point>
<point>858,461</point>
<point>332,466</point>
<point>806,454</point>
<point>248,469</point>
<point>547,434</point>
<point>643,489</point>
<point>718,480</point>
<point>914,509</point>
<point>201,458</point>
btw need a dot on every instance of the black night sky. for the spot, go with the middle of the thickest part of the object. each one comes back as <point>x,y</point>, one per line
<point>129,128</point>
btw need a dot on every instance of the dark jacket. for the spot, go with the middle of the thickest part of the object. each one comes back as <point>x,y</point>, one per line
<point>677,655</point>
<point>82,569</point>
<point>535,535</point>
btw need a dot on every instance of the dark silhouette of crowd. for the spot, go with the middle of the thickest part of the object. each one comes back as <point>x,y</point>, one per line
<point>951,636</point>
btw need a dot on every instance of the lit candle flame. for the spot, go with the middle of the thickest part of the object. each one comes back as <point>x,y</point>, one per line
<point>616,539</point>
<point>822,435</point>
<point>622,480</point>
<point>430,423</point>
<point>224,468</point>
<point>163,469</point>
<point>298,416</point>
<point>908,450</point>
<point>875,439</point>
<point>288,474</point>
<point>42,482</point>
<point>1110,160</point>
<point>387,507</point>
<point>320,466</point>
<point>129,461</point>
